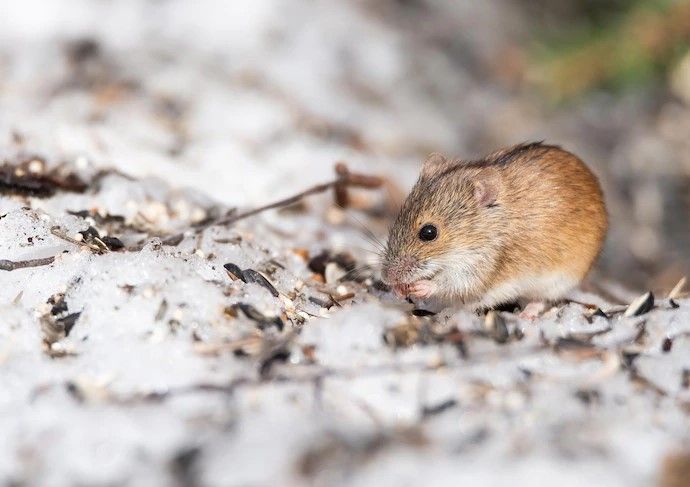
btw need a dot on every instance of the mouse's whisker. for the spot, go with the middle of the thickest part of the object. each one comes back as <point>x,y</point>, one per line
<point>376,252</point>
<point>368,233</point>
<point>355,273</point>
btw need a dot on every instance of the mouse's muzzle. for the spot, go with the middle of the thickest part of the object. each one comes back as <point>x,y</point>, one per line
<point>408,277</point>
<point>399,270</point>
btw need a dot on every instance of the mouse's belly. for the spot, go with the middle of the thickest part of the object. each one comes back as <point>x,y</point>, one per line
<point>540,287</point>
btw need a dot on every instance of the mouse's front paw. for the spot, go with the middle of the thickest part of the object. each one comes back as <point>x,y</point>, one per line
<point>422,289</point>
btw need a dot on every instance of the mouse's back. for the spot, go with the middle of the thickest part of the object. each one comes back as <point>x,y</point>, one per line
<point>554,206</point>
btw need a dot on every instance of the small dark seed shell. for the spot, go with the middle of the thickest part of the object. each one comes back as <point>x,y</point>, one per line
<point>235,271</point>
<point>640,305</point>
<point>250,275</point>
<point>599,312</point>
<point>113,243</point>
<point>89,234</point>
<point>262,320</point>
<point>496,327</point>
<point>68,322</point>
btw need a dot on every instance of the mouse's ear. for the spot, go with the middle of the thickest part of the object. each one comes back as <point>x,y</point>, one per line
<point>487,185</point>
<point>434,164</point>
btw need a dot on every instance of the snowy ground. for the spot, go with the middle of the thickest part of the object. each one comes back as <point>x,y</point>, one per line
<point>175,371</point>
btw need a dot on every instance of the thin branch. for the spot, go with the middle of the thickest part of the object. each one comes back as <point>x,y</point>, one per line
<point>9,265</point>
<point>344,180</point>
<point>320,188</point>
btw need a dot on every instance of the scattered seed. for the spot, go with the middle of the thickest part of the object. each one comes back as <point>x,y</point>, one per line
<point>235,271</point>
<point>317,264</point>
<point>57,324</point>
<point>113,243</point>
<point>68,322</point>
<point>173,240</point>
<point>262,320</point>
<point>496,328</point>
<point>89,234</point>
<point>278,355</point>
<point>250,275</point>
<point>322,303</point>
<point>678,288</point>
<point>162,310</point>
<point>342,296</point>
<point>598,312</point>
<point>335,301</point>
<point>640,305</point>
<point>58,304</point>
<point>428,411</point>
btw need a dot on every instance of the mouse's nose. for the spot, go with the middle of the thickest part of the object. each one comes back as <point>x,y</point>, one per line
<point>397,270</point>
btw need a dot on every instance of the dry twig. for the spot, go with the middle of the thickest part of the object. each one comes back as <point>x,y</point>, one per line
<point>9,265</point>
<point>344,180</point>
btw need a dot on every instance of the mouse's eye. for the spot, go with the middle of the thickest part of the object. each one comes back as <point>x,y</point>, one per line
<point>428,233</point>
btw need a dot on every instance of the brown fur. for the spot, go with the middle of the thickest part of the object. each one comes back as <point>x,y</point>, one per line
<point>545,213</point>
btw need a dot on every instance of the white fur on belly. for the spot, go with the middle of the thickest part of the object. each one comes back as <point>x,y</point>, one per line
<point>542,287</point>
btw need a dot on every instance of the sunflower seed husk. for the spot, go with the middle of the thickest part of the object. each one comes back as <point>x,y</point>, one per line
<point>640,305</point>
<point>678,288</point>
<point>250,275</point>
<point>495,326</point>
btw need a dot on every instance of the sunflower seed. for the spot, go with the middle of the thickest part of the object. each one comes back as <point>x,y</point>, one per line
<point>678,288</point>
<point>235,271</point>
<point>262,320</point>
<point>640,305</point>
<point>250,275</point>
<point>495,326</point>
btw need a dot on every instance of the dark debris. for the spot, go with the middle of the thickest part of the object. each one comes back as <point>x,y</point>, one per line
<point>23,179</point>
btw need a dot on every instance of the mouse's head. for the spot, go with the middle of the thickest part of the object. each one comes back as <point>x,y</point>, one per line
<point>448,229</point>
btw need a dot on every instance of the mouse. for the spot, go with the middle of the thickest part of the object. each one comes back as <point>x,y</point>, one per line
<point>523,224</point>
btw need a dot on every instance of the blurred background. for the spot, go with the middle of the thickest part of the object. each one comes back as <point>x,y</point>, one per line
<point>247,101</point>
